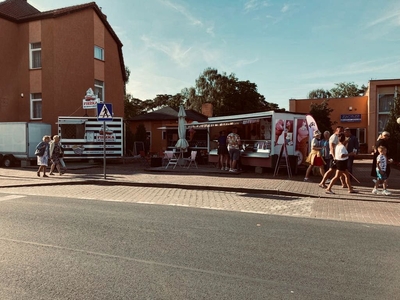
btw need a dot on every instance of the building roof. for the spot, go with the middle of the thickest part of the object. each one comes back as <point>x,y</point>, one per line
<point>16,9</point>
<point>168,113</point>
<point>20,11</point>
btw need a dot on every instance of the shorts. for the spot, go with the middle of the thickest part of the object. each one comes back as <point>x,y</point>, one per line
<point>381,176</point>
<point>341,165</point>
<point>234,154</point>
<point>222,150</point>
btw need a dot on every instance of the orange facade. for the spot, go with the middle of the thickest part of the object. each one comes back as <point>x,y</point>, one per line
<point>68,67</point>
<point>365,115</point>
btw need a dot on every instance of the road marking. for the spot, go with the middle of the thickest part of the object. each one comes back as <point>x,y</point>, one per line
<point>11,197</point>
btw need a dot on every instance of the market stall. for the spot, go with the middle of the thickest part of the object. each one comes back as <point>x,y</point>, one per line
<point>262,135</point>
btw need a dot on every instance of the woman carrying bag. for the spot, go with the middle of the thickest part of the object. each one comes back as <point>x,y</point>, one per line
<point>42,153</point>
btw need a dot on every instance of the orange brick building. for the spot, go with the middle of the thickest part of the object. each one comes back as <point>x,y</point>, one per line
<point>366,115</point>
<point>50,59</point>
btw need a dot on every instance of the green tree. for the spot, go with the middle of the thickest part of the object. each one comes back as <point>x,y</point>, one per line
<point>227,94</point>
<point>321,113</point>
<point>394,128</point>
<point>319,94</point>
<point>346,89</point>
<point>342,90</point>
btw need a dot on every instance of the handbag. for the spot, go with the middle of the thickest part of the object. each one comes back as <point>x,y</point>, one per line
<point>40,151</point>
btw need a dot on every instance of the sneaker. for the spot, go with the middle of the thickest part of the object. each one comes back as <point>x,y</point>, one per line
<point>222,168</point>
<point>305,179</point>
<point>375,191</point>
<point>386,192</point>
<point>226,169</point>
<point>230,170</point>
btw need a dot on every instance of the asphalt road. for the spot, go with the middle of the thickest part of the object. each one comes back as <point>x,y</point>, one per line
<point>63,248</point>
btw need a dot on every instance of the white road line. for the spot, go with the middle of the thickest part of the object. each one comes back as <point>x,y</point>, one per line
<point>11,197</point>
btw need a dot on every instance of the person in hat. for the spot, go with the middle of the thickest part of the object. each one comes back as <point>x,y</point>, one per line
<point>315,158</point>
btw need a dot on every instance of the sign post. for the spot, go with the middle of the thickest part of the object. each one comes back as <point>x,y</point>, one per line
<point>104,113</point>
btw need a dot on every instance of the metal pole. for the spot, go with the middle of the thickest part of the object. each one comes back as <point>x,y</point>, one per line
<point>104,149</point>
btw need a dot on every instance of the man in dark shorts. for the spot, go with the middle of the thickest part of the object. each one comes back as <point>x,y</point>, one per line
<point>223,153</point>
<point>234,142</point>
<point>333,141</point>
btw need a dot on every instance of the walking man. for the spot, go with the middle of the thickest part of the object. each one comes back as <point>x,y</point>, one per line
<point>333,141</point>
<point>233,141</point>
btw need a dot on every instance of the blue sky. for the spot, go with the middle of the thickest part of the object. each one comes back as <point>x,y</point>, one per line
<point>287,48</point>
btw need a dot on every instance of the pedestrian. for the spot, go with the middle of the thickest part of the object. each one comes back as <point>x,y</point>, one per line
<point>223,153</point>
<point>333,141</point>
<point>383,140</point>
<point>325,150</point>
<point>315,158</point>
<point>55,154</point>
<point>233,141</point>
<point>381,166</point>
<point>42,153</point>
<point>352,145</point>
<point>341,156</point>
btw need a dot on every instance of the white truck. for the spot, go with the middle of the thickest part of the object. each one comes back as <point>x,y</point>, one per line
<point>82,137</point>
<point>18,141</point>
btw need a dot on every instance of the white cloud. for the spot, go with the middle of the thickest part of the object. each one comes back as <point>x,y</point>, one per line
<point>391,17</point>
<point>243,62</point>
<point>379,66</point>
<point>173,49</point>
<point>183,11</point>
<point>285,8</point>
<point>251,5</point>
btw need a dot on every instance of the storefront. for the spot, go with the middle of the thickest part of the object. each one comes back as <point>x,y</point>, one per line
<point>262,134</point>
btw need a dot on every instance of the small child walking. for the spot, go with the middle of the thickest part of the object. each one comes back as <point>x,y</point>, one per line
<point>381,166</point>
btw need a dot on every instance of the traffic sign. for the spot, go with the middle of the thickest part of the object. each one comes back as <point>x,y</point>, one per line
<point>104,112</point>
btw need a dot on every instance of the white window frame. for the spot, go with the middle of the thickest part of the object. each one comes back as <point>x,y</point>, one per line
<point>98,53</point>
<point>36,98</point>
<point>35,49</point>
<point>383,115</point>
<point>99,89</point>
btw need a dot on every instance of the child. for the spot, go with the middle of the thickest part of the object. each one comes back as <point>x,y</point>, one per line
<point>381,165</point>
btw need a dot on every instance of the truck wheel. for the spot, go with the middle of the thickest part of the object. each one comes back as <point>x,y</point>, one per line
<point>8,161</point>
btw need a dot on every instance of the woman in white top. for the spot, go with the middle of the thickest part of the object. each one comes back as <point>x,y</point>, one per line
<point>341,156</point>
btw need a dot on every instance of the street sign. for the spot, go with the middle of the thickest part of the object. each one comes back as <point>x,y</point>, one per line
<point>104,112</point>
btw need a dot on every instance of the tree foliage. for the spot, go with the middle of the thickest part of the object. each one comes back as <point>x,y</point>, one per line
<point>226,93</point>
<point>321,113</point>
<point>342,90</point>
<point>319,94</point>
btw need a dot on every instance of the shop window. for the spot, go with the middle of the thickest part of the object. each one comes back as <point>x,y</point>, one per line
<point>99,89</point>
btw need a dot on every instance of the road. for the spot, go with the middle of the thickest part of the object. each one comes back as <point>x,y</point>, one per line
<point>53,247</point>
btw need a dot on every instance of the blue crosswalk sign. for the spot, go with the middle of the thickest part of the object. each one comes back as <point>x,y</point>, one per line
<point>104,112</point>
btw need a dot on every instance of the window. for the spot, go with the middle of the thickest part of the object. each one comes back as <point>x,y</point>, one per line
<point>98,53</point>
<point>36,106</point>
<point>99,89</point>
<point>36,55</point>
<point>385,103</point>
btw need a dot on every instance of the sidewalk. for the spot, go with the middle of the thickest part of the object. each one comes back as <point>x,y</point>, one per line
<point>206,177</point>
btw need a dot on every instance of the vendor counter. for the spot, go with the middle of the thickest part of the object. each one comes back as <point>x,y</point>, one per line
<point>254,153</point>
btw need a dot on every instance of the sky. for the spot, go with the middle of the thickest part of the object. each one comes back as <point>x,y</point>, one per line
<point>287,48</point>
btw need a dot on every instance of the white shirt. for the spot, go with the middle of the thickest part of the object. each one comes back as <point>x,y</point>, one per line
<point>339,150</point>
<point>334,139</point>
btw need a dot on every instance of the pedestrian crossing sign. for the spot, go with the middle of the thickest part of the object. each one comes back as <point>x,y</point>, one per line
<point>104,112</point>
